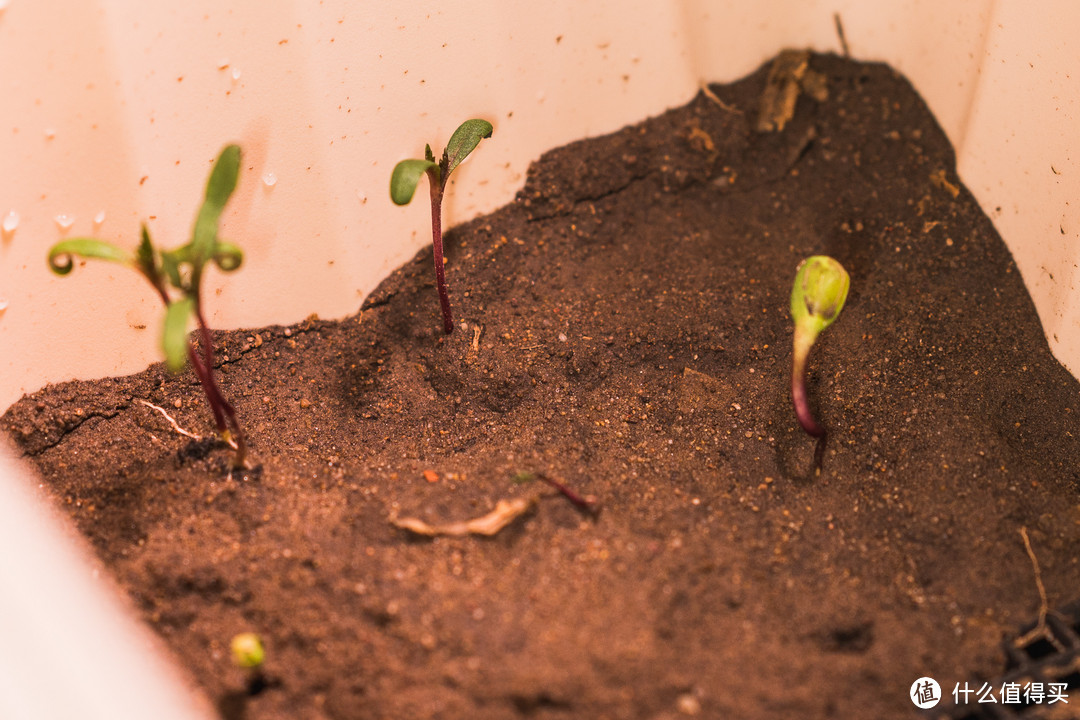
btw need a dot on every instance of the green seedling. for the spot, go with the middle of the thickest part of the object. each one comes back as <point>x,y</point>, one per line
<point>249,655</point>
<point>821,287</point>
<point>406,177</point>
<point>177,275</point>
<point>247,651</point>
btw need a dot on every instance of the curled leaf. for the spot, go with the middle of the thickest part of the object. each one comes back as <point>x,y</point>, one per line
<point>62,254</point>
<point>406,177</point>
<point>464,141</point>
<point>227,256</point>
<point>505,512</point>
<point>174,339</point>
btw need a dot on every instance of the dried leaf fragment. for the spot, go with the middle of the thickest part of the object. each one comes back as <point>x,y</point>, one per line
<point>505,512</point>
<point>939,179</point>
<point>789,75</point>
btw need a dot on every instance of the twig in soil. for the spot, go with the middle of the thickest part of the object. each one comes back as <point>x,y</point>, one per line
<point>172,422</point>
<point>476,330</point>
<point>1040,629</point>
<point>505,512</point>
<point>840,34</point>
<point>587,503</point>
<point>707,92</point>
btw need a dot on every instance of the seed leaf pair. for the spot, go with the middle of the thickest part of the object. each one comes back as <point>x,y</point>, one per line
<point>406,176</point>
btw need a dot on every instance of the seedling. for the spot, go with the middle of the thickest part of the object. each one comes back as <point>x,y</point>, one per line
<point>821,287</point>
<point>247,651</point>
<point>406,177</point>
<point>176,275</point>
<point>249,655</point>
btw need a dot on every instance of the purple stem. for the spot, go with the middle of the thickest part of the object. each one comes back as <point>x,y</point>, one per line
<point>587,503</point>
<point>798,386</point>
<point>224,412</point>
<point>437,248</point>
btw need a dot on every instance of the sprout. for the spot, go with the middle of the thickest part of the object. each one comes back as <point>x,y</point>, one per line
<point>821,287</point>
<point>181,271</point>
<point>247,650</point>
<point>406,177</point>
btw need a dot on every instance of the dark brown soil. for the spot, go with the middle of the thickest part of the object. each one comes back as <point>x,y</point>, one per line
<point>624,329</point>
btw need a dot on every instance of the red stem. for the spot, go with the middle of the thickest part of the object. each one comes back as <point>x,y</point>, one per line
<point>798,388</point>
<point>437,249</point>
<point>223,410</point>
<point>587,503</point>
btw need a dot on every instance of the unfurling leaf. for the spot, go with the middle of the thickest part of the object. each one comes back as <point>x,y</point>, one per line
<point>227,256</point>
<point>61,256</point>
<point>145,259</point>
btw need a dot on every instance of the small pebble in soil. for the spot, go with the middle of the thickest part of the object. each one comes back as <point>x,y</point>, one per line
<point>687,704</point>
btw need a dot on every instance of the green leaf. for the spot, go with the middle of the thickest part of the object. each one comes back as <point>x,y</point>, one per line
<point>174,340</point>
<point>227,256</point>
<point>219,188</point>
<point>61,256</point>
<point>818,295</point>
<point>145,259</point>
<point>464,141</point>
<point>171,261</point>
<point>406,176</point>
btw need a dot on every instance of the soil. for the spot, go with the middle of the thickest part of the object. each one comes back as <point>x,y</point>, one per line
<point>624,329</point>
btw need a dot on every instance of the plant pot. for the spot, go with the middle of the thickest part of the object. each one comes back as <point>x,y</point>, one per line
<point>325,101</point>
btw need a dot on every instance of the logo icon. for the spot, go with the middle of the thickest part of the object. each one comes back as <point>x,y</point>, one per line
<point>925,692</point>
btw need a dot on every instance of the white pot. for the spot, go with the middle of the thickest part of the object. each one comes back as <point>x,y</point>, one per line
<point>111,111</point>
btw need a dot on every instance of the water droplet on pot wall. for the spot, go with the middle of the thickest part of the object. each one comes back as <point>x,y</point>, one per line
<point>64,221</point>
<point>99,218</point>
<point>269,179</point>
<point>3,300</point>
<point>12,220</point>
